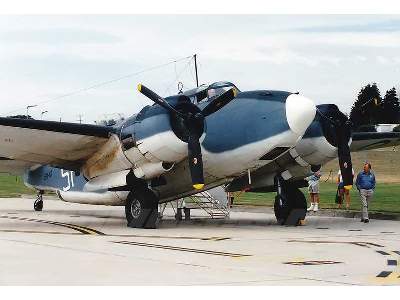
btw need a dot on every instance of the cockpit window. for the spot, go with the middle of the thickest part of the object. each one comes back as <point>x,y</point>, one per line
<point>209,92</point>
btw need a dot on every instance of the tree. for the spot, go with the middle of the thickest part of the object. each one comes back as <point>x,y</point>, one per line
<point>367,109</point>
<point>391,107</point>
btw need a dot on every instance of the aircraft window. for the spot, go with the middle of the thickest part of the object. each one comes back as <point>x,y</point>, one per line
<point>219,88</point>
<point>205,92</point>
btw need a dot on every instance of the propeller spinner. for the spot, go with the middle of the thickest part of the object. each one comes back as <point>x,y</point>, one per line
<point>192,121</point>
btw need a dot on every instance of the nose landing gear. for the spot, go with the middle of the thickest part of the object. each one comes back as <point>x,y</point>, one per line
<point>38,205</point>
<point>290,205</point>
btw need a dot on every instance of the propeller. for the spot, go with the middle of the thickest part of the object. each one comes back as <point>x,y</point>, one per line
<point>345,164</point>
<point>190,122</point>
<point>339,133</point>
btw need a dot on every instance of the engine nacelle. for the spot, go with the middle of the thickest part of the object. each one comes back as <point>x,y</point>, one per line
<point>152,170</point>
<point>151,139</point>
<point>94,198</point>
<point>316,150</point>
<point>320,141</point>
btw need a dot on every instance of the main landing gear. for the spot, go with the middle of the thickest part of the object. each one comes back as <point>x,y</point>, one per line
<point>141,208</point>
<point>38,205</point>
<point>290,205</point>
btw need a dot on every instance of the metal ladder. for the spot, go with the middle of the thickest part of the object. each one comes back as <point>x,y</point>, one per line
<point>210,205</point>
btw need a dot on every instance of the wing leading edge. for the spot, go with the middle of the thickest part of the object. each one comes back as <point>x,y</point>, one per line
<point>374,140</point>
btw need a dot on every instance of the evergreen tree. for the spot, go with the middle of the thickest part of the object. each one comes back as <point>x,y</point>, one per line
<point>367,109</point>
<point>391,107</point>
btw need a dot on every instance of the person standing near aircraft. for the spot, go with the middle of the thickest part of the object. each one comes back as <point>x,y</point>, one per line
<point>343,193</point>
<point>313,189</point>
<point>366,185</point>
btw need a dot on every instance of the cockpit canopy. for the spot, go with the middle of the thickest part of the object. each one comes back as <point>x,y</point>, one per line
<point>208,92</point>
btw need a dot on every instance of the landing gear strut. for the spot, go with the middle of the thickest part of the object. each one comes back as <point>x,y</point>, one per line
<point>38,205</point>
<point>290,205</point>
<point>141,209</point>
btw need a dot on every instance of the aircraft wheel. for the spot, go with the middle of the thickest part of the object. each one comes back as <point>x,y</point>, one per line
<point>141,209</point>
<point>290,207</point>
<point>38,205</point>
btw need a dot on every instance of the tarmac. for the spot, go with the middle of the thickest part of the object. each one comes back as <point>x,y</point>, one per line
<point>74,244</point>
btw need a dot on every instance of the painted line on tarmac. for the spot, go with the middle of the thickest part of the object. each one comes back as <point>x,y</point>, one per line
<point>312,262</point>
<point>183,249</point>
<point>213,238</point>
<point>37,231</point>
<point>392,262</point>
<point>81,229</point>
<point>91,231</point>
<point>361,244</point>
<point>384,274</point>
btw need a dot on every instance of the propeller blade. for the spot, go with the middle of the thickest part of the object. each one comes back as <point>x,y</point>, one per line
<point>195,161</point>
<point>219,102</point>
<point>158,99</point>
<point>342,128</point>
<point>345,164</point>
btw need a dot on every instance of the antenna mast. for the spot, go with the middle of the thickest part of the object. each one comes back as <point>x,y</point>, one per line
<point>195,68</point>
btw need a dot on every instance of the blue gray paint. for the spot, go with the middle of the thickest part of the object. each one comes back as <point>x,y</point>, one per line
<point>251,117</point>
<point>50,178</point>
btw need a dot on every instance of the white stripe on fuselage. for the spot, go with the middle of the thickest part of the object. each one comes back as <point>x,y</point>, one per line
<point>233,162</point>
<point>226,163</point>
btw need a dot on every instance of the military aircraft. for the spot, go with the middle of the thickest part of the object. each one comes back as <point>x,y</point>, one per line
<point>213,135</point>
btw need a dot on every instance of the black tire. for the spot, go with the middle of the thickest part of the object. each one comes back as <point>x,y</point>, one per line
<point>141,209</point>
<point>292,208</point>
<point>281,210</point>
<point>38,205</point>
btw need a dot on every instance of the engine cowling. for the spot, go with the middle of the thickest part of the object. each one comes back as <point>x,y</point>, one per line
<point>94,198</point>
<point>319,143</point>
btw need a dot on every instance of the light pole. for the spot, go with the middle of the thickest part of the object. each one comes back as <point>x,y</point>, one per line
<point>27,109</point>
<point>42,113</point>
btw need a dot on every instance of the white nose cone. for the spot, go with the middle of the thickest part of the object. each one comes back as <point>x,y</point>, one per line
<point>300,112</point>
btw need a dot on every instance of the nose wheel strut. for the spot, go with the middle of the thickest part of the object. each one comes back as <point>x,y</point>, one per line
<point>38,205</point>
<point>290,205</point>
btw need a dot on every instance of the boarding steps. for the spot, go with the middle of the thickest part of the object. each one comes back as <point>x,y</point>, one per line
<point>213,203</point>
<point>214,207</point>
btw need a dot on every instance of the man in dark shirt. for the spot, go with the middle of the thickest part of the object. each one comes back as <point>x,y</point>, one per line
<point>366,185</point>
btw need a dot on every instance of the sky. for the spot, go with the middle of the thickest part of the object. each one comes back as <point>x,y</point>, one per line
<point>60,62</point>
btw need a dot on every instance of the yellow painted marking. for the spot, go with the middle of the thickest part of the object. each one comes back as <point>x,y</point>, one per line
<point>394,277</point>
<point>235,92</point>
<point>82,229</point>
<point>139,87</point>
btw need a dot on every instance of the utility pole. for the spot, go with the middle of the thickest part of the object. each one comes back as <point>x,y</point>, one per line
<point>42,113</point>
<point>195,68</point>
<point>27,109</point>
<point>80,119</point>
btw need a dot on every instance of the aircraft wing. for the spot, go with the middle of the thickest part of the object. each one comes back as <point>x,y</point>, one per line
<point>28,142</point>
<point>373,140</point>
